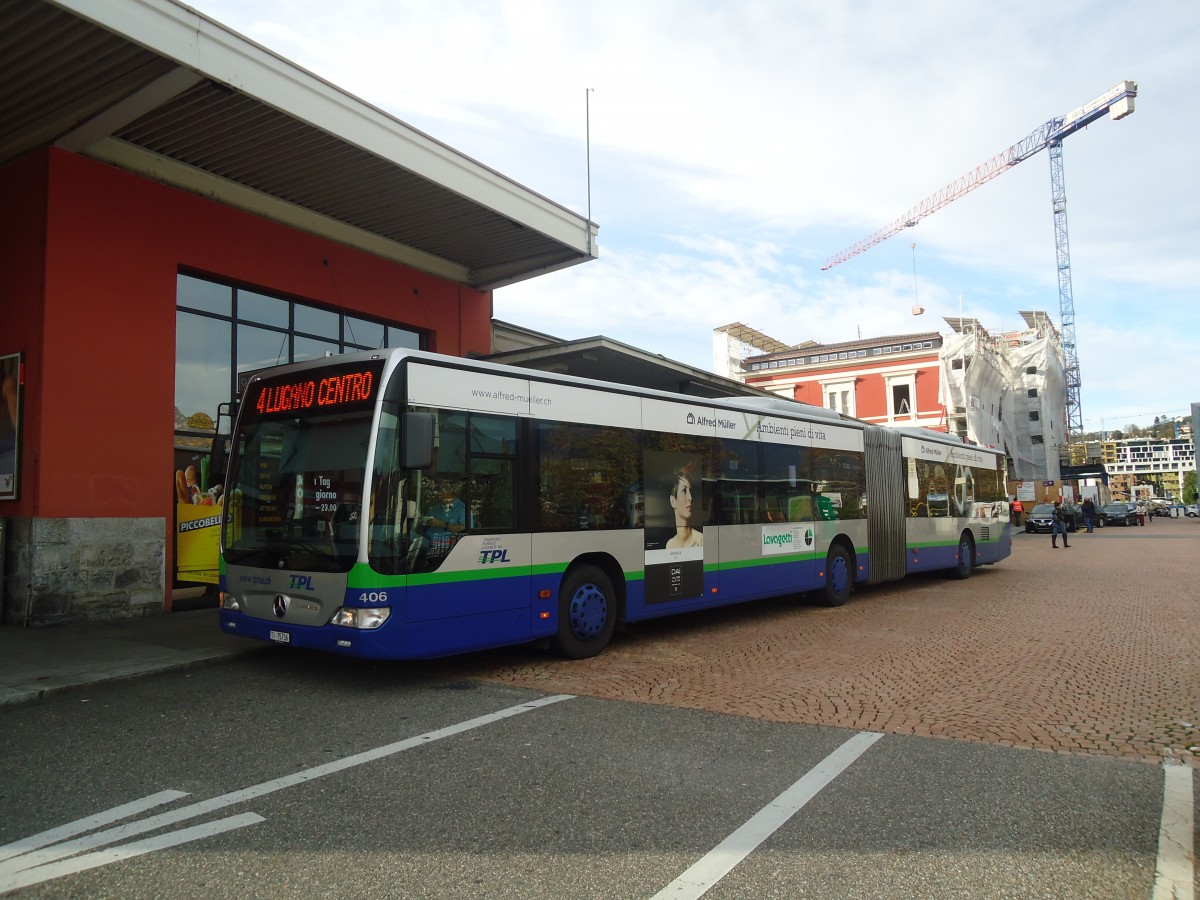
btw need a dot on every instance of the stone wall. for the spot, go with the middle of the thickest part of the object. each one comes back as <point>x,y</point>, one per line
<point>75,570</point>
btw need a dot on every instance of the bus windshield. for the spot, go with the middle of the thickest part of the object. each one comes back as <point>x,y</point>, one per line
<point>295,492</point>
<point>294,497</point>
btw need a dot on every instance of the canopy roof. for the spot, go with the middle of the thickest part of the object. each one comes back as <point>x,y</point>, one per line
<point>154,87</point>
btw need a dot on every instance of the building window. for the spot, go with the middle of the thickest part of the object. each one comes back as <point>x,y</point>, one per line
<point>839,396</point>
<point>1035,439</point>
<point>223,332</point>
<point>1034,415</point>
<point>1033,392</point>
<point>1031,370</point>
<point>902,401</point>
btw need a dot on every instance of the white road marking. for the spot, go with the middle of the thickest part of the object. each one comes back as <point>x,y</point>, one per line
<point>721,859</point>
<point>41,855</point>
<point>79,826</point>
<point>1175,872</point>
<point>128,851</point>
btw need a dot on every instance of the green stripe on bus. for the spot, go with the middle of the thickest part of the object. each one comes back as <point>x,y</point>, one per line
<point>363,576</point>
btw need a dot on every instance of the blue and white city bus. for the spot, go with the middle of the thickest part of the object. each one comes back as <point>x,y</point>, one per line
<point>403,504</point>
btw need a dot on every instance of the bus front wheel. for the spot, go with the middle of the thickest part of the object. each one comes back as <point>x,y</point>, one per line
<point>587,613</point>
<point>839,577</point>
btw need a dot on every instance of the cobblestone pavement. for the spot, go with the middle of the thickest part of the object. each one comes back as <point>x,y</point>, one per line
<point>1089,650</point>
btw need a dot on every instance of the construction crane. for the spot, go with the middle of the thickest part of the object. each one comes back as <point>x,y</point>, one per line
<point>1117,103</point>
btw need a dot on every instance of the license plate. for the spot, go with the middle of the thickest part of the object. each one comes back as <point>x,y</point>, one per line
<point>282,636</point>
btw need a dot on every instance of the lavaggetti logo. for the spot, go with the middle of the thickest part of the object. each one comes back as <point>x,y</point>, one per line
<point>783,539</point>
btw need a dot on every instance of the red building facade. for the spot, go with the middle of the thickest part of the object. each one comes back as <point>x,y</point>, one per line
<point>886,381</point>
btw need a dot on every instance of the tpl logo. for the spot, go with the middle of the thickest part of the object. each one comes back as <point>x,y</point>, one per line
<point>300,583</point>
<point>487,557</point>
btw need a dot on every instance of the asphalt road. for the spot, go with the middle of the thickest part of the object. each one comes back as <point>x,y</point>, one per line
<point>779,751</point>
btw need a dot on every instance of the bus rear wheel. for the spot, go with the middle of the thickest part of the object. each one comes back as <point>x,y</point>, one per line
<point>587,613</point>
<point>839,577</point>
<point>966,557</point>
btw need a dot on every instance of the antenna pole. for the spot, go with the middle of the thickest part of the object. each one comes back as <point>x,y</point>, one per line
<point>587,117</point>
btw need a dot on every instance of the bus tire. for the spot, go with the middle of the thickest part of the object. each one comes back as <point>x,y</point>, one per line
<point>839,577</point>
<point>587,613</point>
<point>966,557</point>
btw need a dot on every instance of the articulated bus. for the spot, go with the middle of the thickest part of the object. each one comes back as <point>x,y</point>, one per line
<point>406,505</point>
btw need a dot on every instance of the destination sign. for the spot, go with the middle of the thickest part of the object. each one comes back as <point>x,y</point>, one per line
<point>337,388</point>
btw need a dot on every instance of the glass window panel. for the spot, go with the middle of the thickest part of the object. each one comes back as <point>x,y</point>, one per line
<point>840,484</point>
<point>321,322</point>
<point>787,484</point>
<point>402,337</point>
<point>304,348</point>
<point>493,493</point>
<point>261,308</point>
<point>364,334</point>
<point>203,295</point>
<point>202,347</point>
<point>491,435</point>
<point>590,477</point>
<point>739,500</point>
<point>258,348</point>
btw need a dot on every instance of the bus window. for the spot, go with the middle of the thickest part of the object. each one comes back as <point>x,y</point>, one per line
<point>840,482</point>
<point>787,484</point>
<point>589,476</point>
<point>492,482</point>
<point>738,485</point>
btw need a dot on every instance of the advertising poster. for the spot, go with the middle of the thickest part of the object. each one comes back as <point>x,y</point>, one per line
<point>674,504</point>
<point>10,425</point>
<point>198,508</point>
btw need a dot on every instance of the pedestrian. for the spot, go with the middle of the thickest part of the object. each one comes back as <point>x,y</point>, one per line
<point>1058,525</point>
<point>1017,509</point>
<point>1141,512</point>
<point>1089,513</point>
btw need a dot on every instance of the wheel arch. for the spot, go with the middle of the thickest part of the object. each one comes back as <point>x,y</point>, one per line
<point>607,564</point>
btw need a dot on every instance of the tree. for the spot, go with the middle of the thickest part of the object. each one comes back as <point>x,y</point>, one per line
<point>1189,487</point>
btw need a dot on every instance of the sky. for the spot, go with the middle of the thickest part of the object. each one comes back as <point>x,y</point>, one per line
<point>727,150</point>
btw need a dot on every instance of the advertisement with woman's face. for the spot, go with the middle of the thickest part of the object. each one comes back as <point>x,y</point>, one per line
<point>674,503</point>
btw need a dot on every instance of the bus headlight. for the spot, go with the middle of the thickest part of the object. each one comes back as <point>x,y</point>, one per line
<point>355,617</point>
<point>229,601</point>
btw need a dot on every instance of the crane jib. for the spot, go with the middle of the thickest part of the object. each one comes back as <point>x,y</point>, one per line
<point>1116,102</point>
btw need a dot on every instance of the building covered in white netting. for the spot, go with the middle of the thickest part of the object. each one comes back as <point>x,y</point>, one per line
<point>1008,391</point>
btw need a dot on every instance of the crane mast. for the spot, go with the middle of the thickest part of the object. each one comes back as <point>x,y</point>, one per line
<point>1117,103</point>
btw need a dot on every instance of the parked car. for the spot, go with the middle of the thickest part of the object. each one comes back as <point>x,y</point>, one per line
<point>1118,514</point>
<point>1038,519</point>
<point>1193,510</point>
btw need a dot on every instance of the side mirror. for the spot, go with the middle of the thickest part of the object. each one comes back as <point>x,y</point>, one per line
<point>416,442</point>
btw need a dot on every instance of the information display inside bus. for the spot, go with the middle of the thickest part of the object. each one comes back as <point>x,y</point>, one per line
<point>345,387</point>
